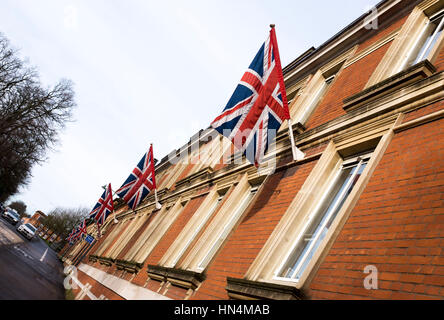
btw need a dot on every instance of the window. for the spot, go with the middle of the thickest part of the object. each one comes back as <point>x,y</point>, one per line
<point>320,208</point>
<point>133,226</point>
<point>208,207</point>
<point>154,232</point>
<point>313,89</point>
<point>419,38</point>
<point>226,229</point>
<point>292,96</point>
<point>322,217</point>
<point>217,231</point>
<point>316,98</point>
<point>211,153</point>
<point>426,41</point>
<point>107,243</point>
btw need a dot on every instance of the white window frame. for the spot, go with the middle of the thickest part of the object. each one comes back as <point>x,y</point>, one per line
<point>360,159</point>
<point>194,226</point>
<point>227,229</point>
<point>155,231</point>
<point>426,48</point>
<point>317,97</point>
<point>316,88</point>
<point>279,244</point>
<point>217,231</point>
<point>407,40</point>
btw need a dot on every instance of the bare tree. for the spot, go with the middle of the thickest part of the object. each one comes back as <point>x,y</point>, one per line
<point>31,118</point>
<point>19,206</point>
<point>63,220</point>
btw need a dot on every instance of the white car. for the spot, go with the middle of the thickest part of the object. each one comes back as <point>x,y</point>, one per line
<point>28,230</point>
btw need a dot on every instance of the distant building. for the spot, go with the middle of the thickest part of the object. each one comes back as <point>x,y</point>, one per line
<point>37,219</point>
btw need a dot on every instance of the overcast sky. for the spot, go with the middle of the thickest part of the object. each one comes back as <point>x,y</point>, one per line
<point>147,72</point>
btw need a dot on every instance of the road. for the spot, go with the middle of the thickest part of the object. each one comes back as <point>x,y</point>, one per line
<point>29,270</point>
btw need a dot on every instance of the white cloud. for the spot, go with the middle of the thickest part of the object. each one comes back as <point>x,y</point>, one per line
<point>71,19</point>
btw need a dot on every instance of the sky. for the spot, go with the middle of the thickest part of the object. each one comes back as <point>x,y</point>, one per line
<point>147,72</point>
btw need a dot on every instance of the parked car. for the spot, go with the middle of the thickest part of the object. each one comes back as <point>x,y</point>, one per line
<point>11,215</point>
<point>28,230</point>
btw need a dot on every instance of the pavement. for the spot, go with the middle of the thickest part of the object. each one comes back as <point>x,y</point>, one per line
<point>29,270</point>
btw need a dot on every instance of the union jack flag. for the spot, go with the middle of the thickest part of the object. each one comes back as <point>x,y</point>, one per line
<point>82,229</point>
<point>258,106</point>
<point>103,207</point>
<point>74,235</point>
<point>70,238</point>
<point>140,182</point>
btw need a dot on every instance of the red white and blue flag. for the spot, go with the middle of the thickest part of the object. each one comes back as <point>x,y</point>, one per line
<point>103,208</point>
<point>140,182</point>
<point>72,236</point>
<point>258,106</point>
<point>75,234</point>
<point>82,229</point>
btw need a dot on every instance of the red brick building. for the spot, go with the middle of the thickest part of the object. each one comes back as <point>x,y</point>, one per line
<point>366,201</point>
<point>43,231</point>
<point>36,219</point>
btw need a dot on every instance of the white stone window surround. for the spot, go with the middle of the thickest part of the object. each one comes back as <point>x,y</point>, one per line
<point>194,226</point>
<point>405,42</point>
<point>425,41</point>
<point>217,232</point>
<point>269,261</point>
<point>356,164</point>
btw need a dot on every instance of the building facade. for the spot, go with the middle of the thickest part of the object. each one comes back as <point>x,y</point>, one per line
<point>366,201</point>
<point>43,231</point>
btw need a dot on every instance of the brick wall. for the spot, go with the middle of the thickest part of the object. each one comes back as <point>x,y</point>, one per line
<point>397,226</point>
<point>243,245</point>
<point>168,238</point>
<point>97,289</point>
<point>352,79</point>
<point>438,62</point>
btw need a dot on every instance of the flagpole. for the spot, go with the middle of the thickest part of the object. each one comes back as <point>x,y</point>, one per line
<point>158,205</point>
<point>115,219</point>
<point>156,199</point>
<point>297,154</point>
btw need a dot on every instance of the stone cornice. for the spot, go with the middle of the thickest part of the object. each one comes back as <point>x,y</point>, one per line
<point>413,74</point>
<point>132,267</point>
<point>248,290</point>
<point>182,278</point>
<point>403,99</point>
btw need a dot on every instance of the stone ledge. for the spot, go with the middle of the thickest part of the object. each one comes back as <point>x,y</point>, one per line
<point>123,288</point>
<point>250,290</point>
<point>105,261</point>
<point>182,278</point>
<point>415,73</point>
<point>132,267</point>
<point>203,174</point>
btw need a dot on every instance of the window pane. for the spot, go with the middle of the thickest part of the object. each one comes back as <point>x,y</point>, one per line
<point>321,222</point>
<point>227,228</point>
<point>432,43</point>
<point>316,99</point>
<point>426,42</point>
